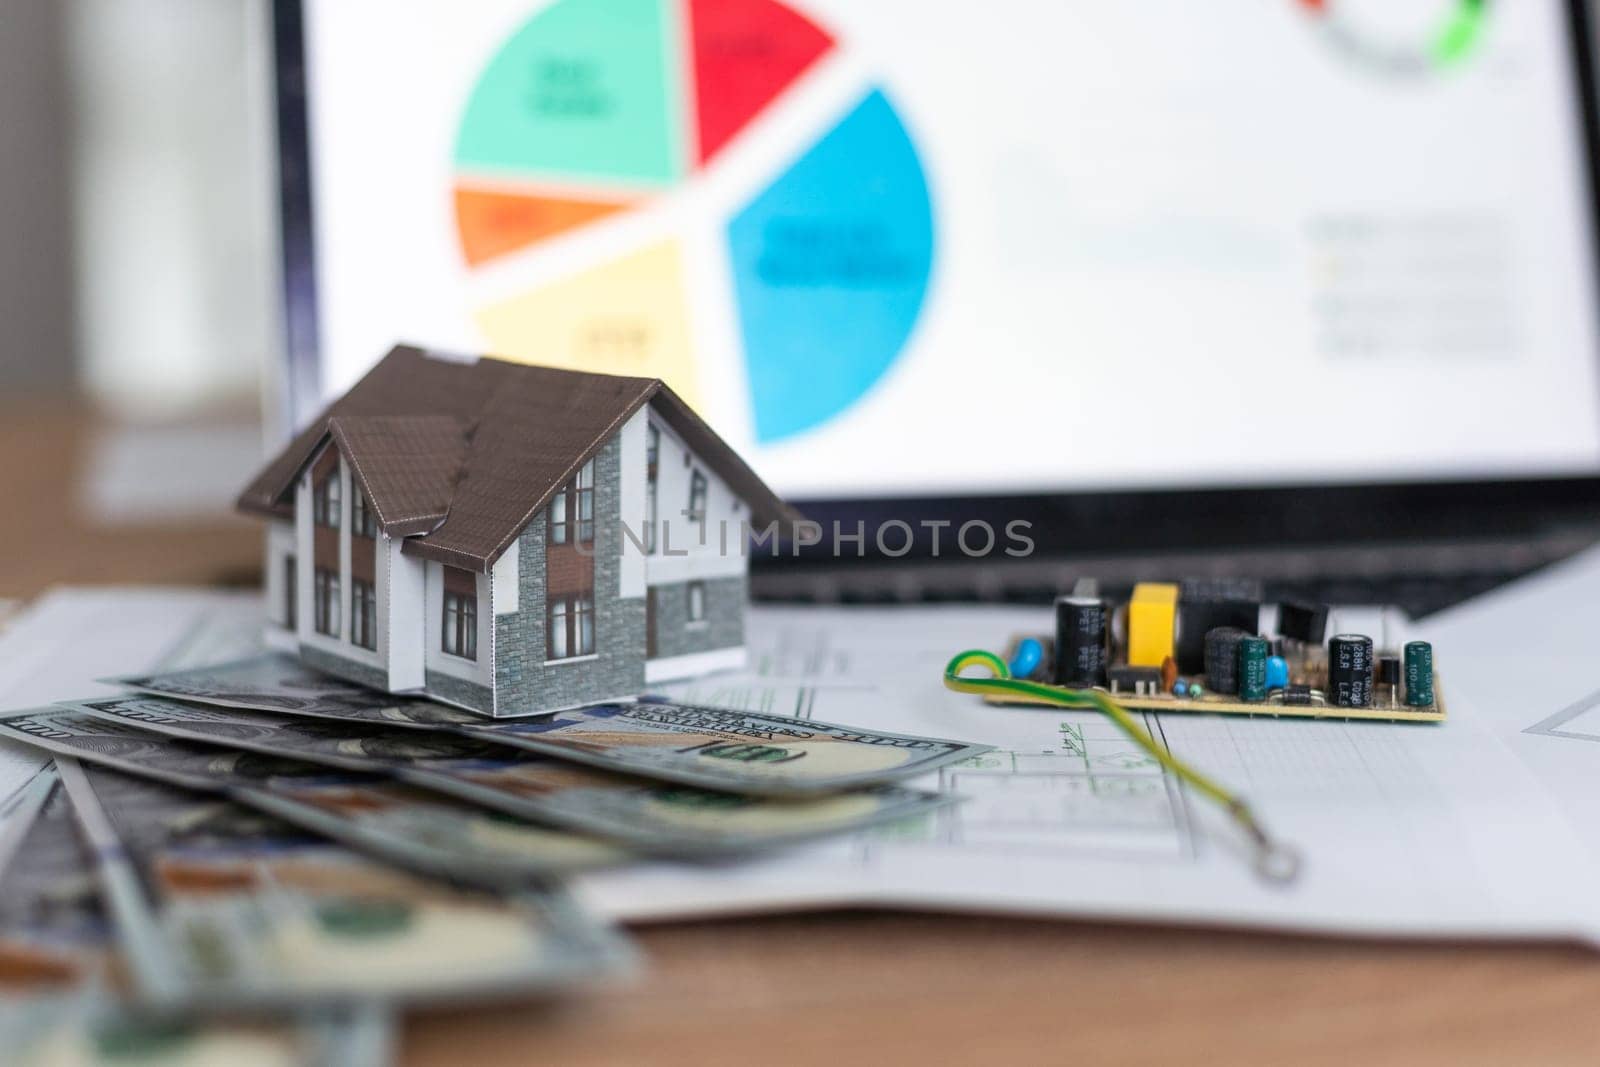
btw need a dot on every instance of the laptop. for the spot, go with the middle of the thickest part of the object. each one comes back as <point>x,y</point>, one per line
<point>1301,290</point>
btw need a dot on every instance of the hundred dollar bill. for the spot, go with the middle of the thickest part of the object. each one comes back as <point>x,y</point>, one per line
<point>85,1029</point>
<point>717,748</point>
<point>53,934</point>
<point>396,822</point>
<point>644,815</point>
<point>223,907</point>
<point>58,997</point>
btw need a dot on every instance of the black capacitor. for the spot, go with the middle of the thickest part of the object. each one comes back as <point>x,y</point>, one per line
<point>1081,627</point>
<point>1350,671</point>
<point>1222,659</point>
<point>1303,622</point>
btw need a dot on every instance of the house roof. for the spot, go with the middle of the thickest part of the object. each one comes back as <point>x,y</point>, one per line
<point>407,465</point>
<point>482,445</point>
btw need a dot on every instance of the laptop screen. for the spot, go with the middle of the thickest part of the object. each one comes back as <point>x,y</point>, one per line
<point>914,247</point>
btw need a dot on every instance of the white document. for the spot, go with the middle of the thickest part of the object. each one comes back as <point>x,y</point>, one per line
<point>1407,830</point>
<point>1522,660</point>
<point>55,648</point>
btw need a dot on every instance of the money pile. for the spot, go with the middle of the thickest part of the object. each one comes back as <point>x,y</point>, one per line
<point>254,861</point>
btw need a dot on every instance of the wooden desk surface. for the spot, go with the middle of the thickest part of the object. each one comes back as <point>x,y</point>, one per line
<point>847,987</point>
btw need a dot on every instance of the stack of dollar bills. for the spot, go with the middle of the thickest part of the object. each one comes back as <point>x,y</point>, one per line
<point>254,862</point>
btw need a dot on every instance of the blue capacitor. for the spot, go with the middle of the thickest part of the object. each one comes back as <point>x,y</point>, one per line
<point>1026,659</point>
<point>1180,688</point>
<point>1277,672</point>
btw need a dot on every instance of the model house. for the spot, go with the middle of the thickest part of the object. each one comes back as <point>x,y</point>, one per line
<point>509,538</point>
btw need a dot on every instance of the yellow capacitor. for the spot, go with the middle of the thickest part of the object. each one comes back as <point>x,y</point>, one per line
<point>1152,623</point>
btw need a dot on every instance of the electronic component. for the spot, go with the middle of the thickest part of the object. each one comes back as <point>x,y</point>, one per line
<point>1026,659</point>
<point>1137,680</point>
<point>1169,673</point>
<point>1253,668</point>
<point>1222,658</point>
<point>1306,623</point>
<point>1081,625</point>
<point>1133,645</point>
<point>1152,622</point>
<point>1386,678</point>
<point>1350,670</point>
<point>1206,604</point>
<point>1277,672</point>
<point>1221,589</point>
<point>1419,674</point>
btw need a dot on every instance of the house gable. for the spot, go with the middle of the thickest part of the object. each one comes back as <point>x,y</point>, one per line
<point>526,679</point>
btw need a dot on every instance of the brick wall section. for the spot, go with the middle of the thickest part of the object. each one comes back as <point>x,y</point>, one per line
<point>455,691</point>
<point>340,667</point>
<point>522,679</point>
<point>724,625</point>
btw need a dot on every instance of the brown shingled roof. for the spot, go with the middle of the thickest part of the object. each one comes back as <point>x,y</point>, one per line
<point>484,445</point>
<point>408,465</point>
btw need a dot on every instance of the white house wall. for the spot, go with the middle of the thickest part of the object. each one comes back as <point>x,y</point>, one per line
<point>506,575</point>
<point>680,556</point>
<point>631,485</point>
<point>302,543</point>
<point>280,546</point>
<point>404,626</point>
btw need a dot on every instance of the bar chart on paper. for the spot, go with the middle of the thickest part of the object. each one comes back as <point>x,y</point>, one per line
<point>637,182</point>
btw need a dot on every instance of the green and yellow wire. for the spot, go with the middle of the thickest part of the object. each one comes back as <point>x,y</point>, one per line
<point>1274,860</point>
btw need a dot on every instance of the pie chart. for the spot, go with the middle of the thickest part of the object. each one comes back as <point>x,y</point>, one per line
<point>650,187</point>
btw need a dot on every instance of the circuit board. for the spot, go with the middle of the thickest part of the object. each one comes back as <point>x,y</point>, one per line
<point>1209,703</point>
<point>1207,648</point>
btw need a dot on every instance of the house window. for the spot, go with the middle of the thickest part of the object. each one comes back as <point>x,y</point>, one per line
<point>583,625</point>
<point>560,528</point>
<point>652,469</point>
<point>573,506</point>
<point>697,601</point>
<point>325,501</point>
<point>697,497</point>
<point>585,495</point>
<point>291,591</point>
<point>363,614</point>
<point>325,587</point>
<point>571,631</point>
<point>461,625</point>
<point>362,521</point>
<point>560,632</point>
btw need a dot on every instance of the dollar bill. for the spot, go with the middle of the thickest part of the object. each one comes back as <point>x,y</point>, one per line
<point>59,1002</point>
<point>648,816</point>
<point>402,824</point>
<point>53,933</point>
<point>221,906</point>
<point>753,753</point>
<point>87,1030</point>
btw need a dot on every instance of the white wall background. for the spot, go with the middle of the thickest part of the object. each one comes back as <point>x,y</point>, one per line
<point>174,195</point>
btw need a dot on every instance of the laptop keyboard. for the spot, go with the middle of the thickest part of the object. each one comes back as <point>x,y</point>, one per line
<point>1418,578</point>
